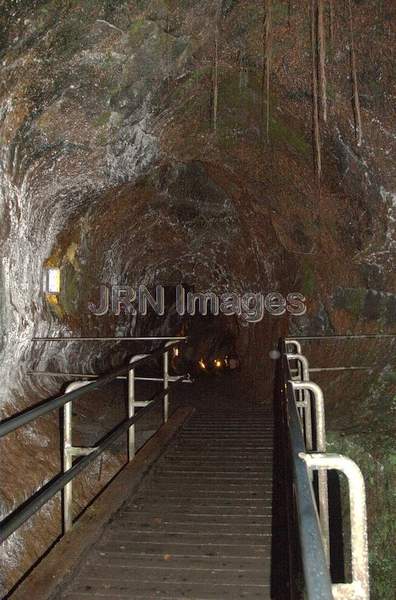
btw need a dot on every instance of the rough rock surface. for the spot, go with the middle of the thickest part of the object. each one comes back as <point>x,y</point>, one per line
<point>113,168</point>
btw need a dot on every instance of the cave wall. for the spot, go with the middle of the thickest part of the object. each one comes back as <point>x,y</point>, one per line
<point>113,169</point>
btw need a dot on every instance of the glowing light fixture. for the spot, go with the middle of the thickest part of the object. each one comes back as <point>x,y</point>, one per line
<point>217,363</point>
<point>202,364</point>
<point>52,280</point>
<point>176,351</point>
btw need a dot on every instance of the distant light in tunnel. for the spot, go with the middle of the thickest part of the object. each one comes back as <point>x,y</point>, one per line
<point>202,364</point>
<point>217,363</point>
<point>176,351</point>
<point>52,280</point>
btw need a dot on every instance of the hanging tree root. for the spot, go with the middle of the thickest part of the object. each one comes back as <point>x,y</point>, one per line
<point>267,56</point>
<point>315,100</point>
<point>356,100</point>
<point>322,60</point>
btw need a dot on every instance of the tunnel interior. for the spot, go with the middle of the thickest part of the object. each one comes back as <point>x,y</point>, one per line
<point>142,145</point>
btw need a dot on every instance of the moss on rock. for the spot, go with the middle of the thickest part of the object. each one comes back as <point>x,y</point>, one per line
<point>350,299</point>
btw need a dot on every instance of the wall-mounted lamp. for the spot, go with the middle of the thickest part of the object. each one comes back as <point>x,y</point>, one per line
<point>51,280</point>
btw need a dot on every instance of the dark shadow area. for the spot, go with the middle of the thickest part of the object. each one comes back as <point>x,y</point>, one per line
<point>211,349</point>
<point>283,548</point>
<point>337,566</point>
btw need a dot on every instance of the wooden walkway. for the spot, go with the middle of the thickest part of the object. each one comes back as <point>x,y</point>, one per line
<point>200,525</point>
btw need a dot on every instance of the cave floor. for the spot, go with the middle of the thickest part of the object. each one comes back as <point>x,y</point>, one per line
<point>199,526</point>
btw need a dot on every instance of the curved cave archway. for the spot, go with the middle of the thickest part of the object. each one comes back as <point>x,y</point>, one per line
<point>125,160</point>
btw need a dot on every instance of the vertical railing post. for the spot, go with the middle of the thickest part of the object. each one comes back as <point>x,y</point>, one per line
<point>294,343</point>
<point>360,586</point>
<point>131,406</point>
<point>307,412</point>
<point>296,349</point>
<point>313,388</point>
<point>131,412</point>
<point>68,455</point>
<point>166,381</point>
<point>67,464</point>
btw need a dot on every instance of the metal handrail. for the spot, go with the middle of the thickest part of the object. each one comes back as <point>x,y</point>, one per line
<point>359,588</point>
<point>84,376</point>
<point>320,446</point>
<point>43,408</point>
<point>352,336</point>
<point>26,510</point>
<point>118,338</point>
<point>313,555</point>
<point>304,370</point>
<point>313,527</point>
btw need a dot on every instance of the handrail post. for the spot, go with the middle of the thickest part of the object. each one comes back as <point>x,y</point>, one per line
<point>359,589</point>
<point>68,455</point>
<point>131,412</point>
<point>294,343</point>
<point>302,360</point>
<point>131,407</point>
<point>67,464</point>
<point>297,350</point>
<point>166,380</point>
<point>320,447</point>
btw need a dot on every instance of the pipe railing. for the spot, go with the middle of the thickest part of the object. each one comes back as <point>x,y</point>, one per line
<point>43,408</point>
<point>359,588</point>
<point>350,336</point>
<point>306,547</point>
<point>306,440</point>
<point>64,481</point>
